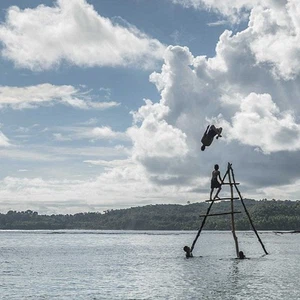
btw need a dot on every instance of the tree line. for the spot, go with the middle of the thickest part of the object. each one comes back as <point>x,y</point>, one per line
<point>265,214</point>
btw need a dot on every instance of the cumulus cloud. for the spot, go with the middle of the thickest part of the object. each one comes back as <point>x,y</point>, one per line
<point>155,137</point>
<point>47,94</point>
<point>250,88</point>
<point>260,123</point>
<point>272,34</point>
<point>72,31</point>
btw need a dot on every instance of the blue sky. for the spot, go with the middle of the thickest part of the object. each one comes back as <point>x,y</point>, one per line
<point>103,103</point>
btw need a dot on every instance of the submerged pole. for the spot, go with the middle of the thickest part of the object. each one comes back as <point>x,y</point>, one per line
<point>245,208</point>
<point>232,215</point>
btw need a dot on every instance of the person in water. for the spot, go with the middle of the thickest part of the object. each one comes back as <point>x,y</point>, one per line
<point>215,183</point>
<point>242,255</point>
<point>209,134</point>
<point>187,251</point>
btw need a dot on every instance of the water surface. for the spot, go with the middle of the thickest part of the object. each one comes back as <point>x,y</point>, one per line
<point>146,265</point>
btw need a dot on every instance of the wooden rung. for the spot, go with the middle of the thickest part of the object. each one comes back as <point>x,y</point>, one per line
<point>235,198</point>
<point>228,183</point>
<point>220,214</point>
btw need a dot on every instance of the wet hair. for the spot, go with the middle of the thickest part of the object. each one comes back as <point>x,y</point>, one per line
<point>202,147</point>
<point>186,248</point>
<point>216,167</point>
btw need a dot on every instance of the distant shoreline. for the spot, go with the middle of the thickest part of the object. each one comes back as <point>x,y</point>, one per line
<point>275,215</point>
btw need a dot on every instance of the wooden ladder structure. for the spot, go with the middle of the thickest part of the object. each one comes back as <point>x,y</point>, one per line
<point>233,184</point>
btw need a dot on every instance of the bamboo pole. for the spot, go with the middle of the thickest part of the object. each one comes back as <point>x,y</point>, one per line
<point>221,199</point>
<point>252,225</point>
<point>202,225</point>
<point>232,215</point>
<point>221,214</point>
<point>204,220</point>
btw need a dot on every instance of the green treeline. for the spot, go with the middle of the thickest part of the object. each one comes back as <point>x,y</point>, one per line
<point>266,215</point>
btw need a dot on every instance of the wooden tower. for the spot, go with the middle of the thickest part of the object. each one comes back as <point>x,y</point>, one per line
<point>233,185</point>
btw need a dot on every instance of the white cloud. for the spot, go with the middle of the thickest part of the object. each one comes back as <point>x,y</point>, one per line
<point>124,185</point>
<point>4,141</point>
<point>72,31</point>
<point>95,133</point>
<point>57,154</point>
<point>217,23</point>
<point>276,38</point>
<point>254,94</point>
<point>235,10</point>
<point>273,33</point>
<point>155,137</point>
<point>47,94</point>
<point>260,123</point>
<point>23,154</point>
<point>91,121</point>
<point>110,164</point>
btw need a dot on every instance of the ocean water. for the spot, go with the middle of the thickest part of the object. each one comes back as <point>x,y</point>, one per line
<point>147,265</point>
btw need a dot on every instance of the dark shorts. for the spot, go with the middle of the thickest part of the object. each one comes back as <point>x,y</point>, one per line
<point>215,184</point>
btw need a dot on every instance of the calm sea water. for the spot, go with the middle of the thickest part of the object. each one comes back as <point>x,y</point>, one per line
<point>146,265</point>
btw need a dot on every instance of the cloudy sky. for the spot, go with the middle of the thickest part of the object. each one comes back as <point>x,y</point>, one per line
<point>103,103</point>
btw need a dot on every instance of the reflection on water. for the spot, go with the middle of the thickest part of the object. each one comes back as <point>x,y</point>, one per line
<point>146,265</point>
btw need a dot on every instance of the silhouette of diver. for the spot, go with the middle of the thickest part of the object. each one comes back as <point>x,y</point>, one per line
<point>209,134</point>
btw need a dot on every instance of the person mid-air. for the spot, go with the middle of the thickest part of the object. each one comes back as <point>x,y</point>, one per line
<point>209,134</point>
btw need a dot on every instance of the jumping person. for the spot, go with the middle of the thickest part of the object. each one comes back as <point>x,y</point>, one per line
<point>209,134</point>
<point>215,184</point>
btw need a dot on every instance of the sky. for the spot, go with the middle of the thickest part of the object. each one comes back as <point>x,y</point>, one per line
<point>103,103</point>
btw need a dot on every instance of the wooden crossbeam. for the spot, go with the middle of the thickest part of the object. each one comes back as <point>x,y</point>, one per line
<point>220,199</point>
<point>220,214</point>
<point>230,183</point>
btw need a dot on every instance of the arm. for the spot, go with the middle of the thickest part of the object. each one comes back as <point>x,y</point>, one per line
<point>220,179</point>
<point>205,134</point>
<point>206,131</point>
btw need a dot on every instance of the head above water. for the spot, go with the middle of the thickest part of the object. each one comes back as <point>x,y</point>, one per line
<point>187,251</point>
<point>216,167</point>
<point>202,147</point>
<point>186,248</point>
<point>242,255</point>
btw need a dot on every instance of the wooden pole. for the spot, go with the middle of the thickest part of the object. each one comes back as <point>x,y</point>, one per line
<point>221,214</point>
<point>202,225</point>
<point>221,199</point>
<point>204,220</point>
<point>252,225</point>
<point>232,215</point>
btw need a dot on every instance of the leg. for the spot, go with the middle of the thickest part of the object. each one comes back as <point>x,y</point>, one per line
<point>213,127</point>
<point>211,192</point>
<point>216,196</point>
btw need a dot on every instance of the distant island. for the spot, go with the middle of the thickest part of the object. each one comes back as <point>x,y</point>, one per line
<point>266,215</point>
